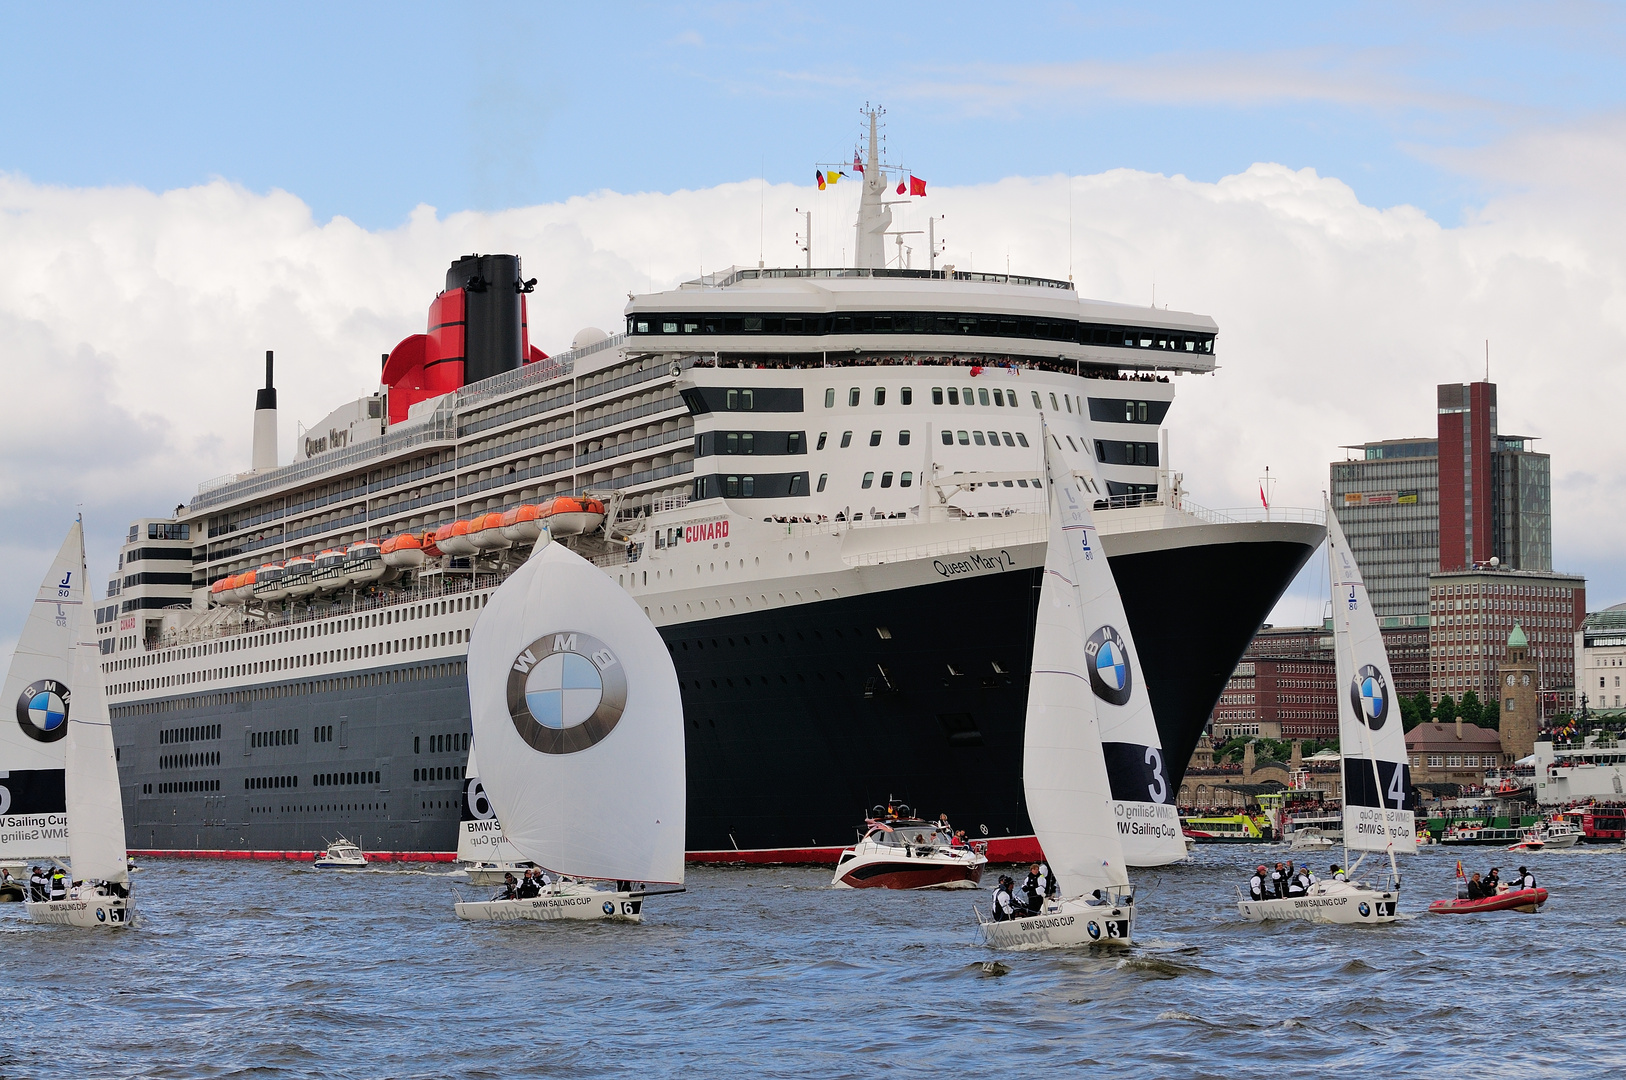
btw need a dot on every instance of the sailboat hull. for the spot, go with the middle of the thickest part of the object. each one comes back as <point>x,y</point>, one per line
<point>100,912</point>
<point>1063,925</point>
<point>1328,902</point>
<point>586,906</point>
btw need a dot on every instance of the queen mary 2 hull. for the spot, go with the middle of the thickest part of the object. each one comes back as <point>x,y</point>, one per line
<point>894,662</point>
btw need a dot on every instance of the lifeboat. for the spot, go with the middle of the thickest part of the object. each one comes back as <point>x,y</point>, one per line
<point>330,574</point>
<point>427,543</point>
<point>296,575</point>
<point>453,538</point>
<point>485,533</point>
<point>268,586</point>
<point>522,524</point>
<point>224,591</point>
<point>236,589</point>
<point>364,562</point>
<point>565,516</point>
<point>402,552</point>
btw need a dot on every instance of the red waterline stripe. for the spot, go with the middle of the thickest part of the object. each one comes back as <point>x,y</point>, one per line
<point>295,856</point>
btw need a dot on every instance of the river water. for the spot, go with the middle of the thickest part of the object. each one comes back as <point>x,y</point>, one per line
<point>277,970</point>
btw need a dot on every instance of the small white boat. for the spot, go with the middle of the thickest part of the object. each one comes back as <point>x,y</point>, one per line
<point>1064,774</point>
<point>341,854</point>
<point>907,854</point>
<point>577,713</point>
<point>1327,902</point>
<point>1310,839</point>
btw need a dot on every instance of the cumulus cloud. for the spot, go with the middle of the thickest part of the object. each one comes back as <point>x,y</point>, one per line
<point>132,323</point>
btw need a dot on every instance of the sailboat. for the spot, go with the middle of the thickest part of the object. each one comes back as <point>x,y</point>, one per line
<point>95,809</point>
<point>1376,778</point>
<point>1081,665</point>
<point>480,841</point>
<point>33,753</point>
<point>575,706</point>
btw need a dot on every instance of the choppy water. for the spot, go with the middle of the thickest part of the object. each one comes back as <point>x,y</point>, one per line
<point>273,970</point>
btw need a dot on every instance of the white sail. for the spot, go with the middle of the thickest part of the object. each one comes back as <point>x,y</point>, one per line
<point>1377,781</point>
<point>1143,806</point>
<point>96,845</point>
<point>39,688</point>
<point>1063,771</point>
<point>576,711</point>
<point>479,834</point>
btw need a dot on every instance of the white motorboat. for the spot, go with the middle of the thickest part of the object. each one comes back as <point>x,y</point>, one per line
<point>560,661</point>
<point>1310,838</point>
<point>341,854</point>
<point>1376,783</point>
<point>1547,836</point>
<point>93,805</point>
<point>908,854</point>
<point>1084,663</point>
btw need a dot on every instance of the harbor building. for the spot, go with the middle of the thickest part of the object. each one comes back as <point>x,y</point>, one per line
<point>1600,647</point>
<point>1473,612</point>
<point>1455,753</point>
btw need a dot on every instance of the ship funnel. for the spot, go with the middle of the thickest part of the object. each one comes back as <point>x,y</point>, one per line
<point>265,422</point>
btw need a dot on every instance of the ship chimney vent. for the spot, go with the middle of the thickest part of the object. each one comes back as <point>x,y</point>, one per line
<point>265,422</point>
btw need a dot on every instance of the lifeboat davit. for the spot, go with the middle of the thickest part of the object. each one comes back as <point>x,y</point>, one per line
<point>402,552</point>
<point>453,538</point>
<point>522,524</point>
<point>565,516</point>
<point>296,575</point>
<point>485,533</point>
<point>330,574</point>
<point>364,562</point>
<point>268,586</point>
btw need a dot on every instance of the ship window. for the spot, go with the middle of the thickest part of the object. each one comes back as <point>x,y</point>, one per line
<point>1068,402</point>
<point>733,399</point>
<point>1072,444</point>
<point>823,435</point>
<point>642,328</point>
<point>907,395</point>
<point>795,487</point>
<point>793,443</point>
<point>1021,438</point>
<point>869,479</point>
<point>906,479</point>
<point>691,328</point>
<point>965,438</point>
<point>937,395</point>
<point>1053,403</point>
<point>993,438</point>
<point>731,487</point>
<point>753,323</point>
<point>415,746</point>
<point>886,479</point>
<point>948,437</point>
<point>823,479</point>
<point>903,438</point>
<point>982,396</point>
<point>966,395</point>
<point>1037,404</point>
<point>954,396</point>
<point>875,438</point>
<point>731,442</point>
<point>977,436</point>
<point>846,439</point>
<point>852,396</point>
<point>748,486</point>
<point>748,443</point>
<point>668,327</point>
<point>880,395</point>
<point>829,397</point>
<point>1008,440</point>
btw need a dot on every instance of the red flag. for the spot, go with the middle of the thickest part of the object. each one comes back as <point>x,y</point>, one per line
<point>858,165</point>
<point>900,187</point>
<point>1262,501</point>
<point>819,176</point>
<point>917,186</point>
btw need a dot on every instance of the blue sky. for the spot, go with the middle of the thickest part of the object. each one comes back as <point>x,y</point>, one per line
<point>368,110</point>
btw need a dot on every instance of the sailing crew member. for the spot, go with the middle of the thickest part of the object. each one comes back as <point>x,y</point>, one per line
<point>1337,873</point>
<point>1527,880</point>
<point>1256,884</point>
<point>1296,886</point>
<point>38,884</point>
<point>59,884</point>
<point>1004,903</point>
<point>1052,888</point>
<point>509,889</point>
<point>1033,889</point>
<point>528,888</point>
<point>1493,882</point>
<point>1476,887</point>
<point>1307,874</point>
<point>1278,881</point>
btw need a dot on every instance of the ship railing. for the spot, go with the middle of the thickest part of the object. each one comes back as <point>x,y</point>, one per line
<point>730,277</point>
<point>963,545</point>
<point>437,585</point>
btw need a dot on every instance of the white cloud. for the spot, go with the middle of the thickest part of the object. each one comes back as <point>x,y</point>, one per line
<point>132,323</point>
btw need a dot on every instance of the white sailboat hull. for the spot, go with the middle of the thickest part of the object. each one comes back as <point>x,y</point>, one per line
<point>1328,902</point>
<point>108,912</point>
<point>586,905</point>
<point>1062,925</point>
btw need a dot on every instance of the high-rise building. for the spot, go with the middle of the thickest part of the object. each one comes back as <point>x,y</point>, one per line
<point>1388,501</point>
<point>1472,612</point>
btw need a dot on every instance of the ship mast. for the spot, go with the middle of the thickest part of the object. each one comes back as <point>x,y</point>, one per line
<point>874,216</point>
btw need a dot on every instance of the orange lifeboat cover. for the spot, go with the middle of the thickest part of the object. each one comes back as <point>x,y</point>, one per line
<point>523,512</point>
<point>428,543</point>
<point>564,504</point>
<point>248,578</point>
<point>459,528</point>
<point>592,506</point>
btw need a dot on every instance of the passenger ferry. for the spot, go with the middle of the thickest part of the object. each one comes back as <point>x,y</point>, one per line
<point>1236,828</point>
<point>822,485</point>
<point>1566,773</point>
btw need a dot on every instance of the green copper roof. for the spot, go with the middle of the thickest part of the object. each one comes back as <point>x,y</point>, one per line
<point>1517,640</point>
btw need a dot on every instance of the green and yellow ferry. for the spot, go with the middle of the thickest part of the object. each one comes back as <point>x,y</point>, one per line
<point>1238,828</point>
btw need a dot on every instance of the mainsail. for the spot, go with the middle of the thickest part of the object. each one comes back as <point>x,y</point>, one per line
<point>479,833</point>
<point>96,808</point>
<point>39,687</point>
<point>1063,770</point>
<point>576,709</point>
<point>1377,781</point>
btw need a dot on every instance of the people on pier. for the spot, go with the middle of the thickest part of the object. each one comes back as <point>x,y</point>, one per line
<point>1005,907</point>
<point>1257,883</point>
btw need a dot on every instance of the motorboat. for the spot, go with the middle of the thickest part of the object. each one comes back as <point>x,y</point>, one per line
<point>1310,838</point>
<point>341,854</point>
<point>908,854</point>
<point>1528,901</point>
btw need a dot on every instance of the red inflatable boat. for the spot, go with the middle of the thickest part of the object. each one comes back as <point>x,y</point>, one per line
<point>1526,900</point>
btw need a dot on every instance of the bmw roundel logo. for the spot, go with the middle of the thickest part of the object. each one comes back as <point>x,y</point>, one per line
<point>1095,931</point>
<point>1363,909</point>
<point>1369,694</point>
<point>101,914</point>
<point>1109,666</point>
<point>609,908</point>
<point>42,710</point>
<point>566,692</point>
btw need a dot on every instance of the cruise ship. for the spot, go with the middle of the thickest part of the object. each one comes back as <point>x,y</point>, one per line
<point>822,485</point>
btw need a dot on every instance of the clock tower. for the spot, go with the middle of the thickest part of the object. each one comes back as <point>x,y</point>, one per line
<point>1520,687</point>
